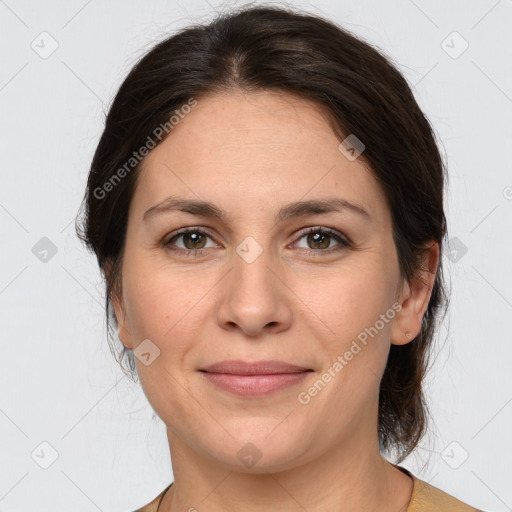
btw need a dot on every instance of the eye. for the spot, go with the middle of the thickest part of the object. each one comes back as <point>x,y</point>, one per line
<point>320,238</point>
<point>194,241</point>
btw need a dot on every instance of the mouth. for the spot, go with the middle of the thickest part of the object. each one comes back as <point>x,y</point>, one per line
<point>245,378</point>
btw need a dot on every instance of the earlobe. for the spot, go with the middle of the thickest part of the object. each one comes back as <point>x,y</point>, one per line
<point>415,298</point>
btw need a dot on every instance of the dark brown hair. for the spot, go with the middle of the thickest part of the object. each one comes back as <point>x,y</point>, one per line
<point>277,48</point>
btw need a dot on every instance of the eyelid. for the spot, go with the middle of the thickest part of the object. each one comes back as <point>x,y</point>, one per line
<point>326,230</point>
<point>183,231</point>
<point>342,239</point>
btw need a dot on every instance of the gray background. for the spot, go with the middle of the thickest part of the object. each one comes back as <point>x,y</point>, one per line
<point>59,382</point>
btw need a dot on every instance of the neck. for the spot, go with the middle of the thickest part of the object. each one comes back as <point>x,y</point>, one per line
<point>353,476</point>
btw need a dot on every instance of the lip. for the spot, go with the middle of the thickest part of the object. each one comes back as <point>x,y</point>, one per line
<point>258,378</point>
<point>240,367</point>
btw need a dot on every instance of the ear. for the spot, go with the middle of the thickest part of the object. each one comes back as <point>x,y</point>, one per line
<point>414,298</point>
<point>119,312</point>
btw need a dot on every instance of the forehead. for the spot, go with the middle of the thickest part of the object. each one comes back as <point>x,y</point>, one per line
<point>254,149</point>
<point>239,122</point>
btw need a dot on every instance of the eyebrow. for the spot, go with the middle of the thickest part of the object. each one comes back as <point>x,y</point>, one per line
<point>297,209</point>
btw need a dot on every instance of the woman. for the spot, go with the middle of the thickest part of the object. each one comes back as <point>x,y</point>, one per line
<point>266,205</point>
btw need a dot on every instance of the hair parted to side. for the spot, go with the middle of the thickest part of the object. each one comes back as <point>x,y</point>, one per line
<point>278,48</point>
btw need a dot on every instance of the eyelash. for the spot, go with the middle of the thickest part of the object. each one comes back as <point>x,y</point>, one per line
<point>344,242</point>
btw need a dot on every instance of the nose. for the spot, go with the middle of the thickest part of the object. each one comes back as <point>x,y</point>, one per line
<point>254,298</point>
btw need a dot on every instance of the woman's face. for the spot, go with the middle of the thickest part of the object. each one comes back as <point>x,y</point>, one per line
<point>253,285</point>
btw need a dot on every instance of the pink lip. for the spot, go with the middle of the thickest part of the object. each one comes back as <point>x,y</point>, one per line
<point>239,367</point>
<point>254,378</point>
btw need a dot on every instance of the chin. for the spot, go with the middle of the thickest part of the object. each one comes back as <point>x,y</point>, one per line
<point>255,451</point>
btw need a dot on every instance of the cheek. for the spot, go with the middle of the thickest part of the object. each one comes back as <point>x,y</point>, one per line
<point>146,310</point>
<point>161,308</point>
<point>346,301</point>
<point>154,295</point>
<point>169,308</point>
<point>348,325</point>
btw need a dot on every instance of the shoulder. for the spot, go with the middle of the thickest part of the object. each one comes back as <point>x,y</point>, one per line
<point>427,498</point>
<point>153,505</point>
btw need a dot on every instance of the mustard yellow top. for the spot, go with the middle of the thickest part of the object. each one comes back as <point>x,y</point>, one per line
<point>425,498</point>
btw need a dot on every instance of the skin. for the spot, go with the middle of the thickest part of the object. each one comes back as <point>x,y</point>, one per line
<point>251,154</point>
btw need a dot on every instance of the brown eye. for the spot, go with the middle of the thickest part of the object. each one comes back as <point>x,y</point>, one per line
<point>194,240</point>
<point>319,239</point>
